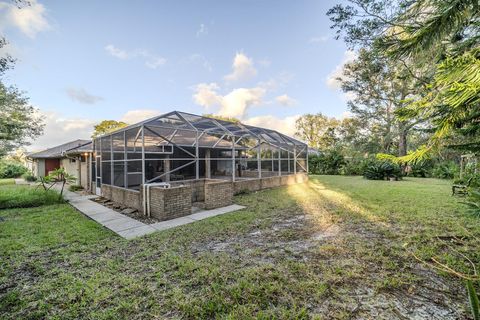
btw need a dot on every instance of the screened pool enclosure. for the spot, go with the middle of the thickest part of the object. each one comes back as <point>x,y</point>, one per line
<point>179,146</point>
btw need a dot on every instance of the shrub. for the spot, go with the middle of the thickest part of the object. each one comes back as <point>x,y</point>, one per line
<point>10,169</point>
<point>355,166</point>
<point>381,170</point>
<point>330,162</point>
<point>26,196</point>
<point>473,201</point>
<point>75,187</point>
<point>29,177</point>
<point>421,169</point>
<point>445,170</point>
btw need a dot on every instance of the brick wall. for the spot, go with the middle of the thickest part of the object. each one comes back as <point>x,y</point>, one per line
<point>218,194</point>
<point>128,198</point>
<point>166,204</point>
<point>106,191</point>
<point>270,182</point>
<point>246,185</point>
<point>198,188</point>
<point>288,180</point>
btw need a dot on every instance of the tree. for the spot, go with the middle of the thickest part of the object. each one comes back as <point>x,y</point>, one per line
<point>378,89</point>
<point>451,102</point>
<point>379,84</point>
<point>19,121</point>
<point>317,130</point>
<point>107,126</point>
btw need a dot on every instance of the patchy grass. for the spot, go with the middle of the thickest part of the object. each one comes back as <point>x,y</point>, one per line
<point>4,182</point>
<point>25,196</point>
<point>332,248</point>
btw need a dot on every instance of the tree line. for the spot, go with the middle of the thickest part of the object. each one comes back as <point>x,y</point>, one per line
<point>414,83</point>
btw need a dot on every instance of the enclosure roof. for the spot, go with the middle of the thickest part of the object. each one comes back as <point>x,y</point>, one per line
<point>188,121</point>
<point>58,151</point>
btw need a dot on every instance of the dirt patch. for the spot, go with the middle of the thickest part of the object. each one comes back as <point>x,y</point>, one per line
<point>360,287</point>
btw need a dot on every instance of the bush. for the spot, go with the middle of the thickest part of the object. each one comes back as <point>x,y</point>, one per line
<point>381,170</point>
<point>355,166</point>
<point>421,169</point>
<point>10,169</point>
<point>330,162</point>
<point>75,187</point>
<point>26,196</point>
<point>445,170</point>
<point>473,201</point>
<point>29,177</point>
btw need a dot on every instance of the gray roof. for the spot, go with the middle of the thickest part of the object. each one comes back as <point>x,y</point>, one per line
<point>87,147</point>
<point>58,151</point>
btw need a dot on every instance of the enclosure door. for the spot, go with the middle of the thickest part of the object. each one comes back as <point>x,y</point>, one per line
<point>98,184</point>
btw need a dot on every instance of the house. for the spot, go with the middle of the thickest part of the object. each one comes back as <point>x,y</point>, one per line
<point>165,165</point>
<point>73,156</point>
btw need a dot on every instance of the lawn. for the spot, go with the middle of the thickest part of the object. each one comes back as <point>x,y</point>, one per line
<point>336,247</point>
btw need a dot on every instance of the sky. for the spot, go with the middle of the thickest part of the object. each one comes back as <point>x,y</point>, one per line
<point>263,62</point>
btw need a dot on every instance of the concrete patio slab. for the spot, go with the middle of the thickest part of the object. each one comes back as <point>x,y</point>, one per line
<point>123,223</point>
<point>136,232</point>
<point>164,225</point>
<point>104,217</point>
<point>215,212</point>
<point>127,227</point>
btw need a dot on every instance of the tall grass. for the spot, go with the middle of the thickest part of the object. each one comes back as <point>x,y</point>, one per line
<point>4,182</point>
<point>21,196</point>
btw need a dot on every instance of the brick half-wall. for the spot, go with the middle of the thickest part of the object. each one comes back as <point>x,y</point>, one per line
<point>126,197</point>
<point>166,204</point>
<point>218,194</point>
<point>270,182</point>
<point>241,186</point>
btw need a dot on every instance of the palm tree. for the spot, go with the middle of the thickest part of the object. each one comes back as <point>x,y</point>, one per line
<point>445,32</point>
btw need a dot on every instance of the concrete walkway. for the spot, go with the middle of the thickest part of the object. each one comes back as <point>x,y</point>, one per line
<point>20,181</point>
<point>129,228</point>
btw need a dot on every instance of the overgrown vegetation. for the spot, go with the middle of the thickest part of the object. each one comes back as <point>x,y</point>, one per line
<point>11,169</point>
<point>24,196</point>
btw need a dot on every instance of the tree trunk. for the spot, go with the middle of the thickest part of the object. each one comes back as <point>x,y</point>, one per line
<point>402,140</point>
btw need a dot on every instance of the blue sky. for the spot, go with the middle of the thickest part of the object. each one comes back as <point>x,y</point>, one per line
<point>266,62</point>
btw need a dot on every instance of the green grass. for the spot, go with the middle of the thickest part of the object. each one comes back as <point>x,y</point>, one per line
<point>25,196</point>
<point>4,182</point>
<point>330,249</point>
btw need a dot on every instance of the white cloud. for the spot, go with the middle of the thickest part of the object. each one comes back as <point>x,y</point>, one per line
<point>332,78</point>
<point>151,60</point>
<point>116,52</point>
<point>30,19</point>
<point>319,39</point>
<point>284,125</point>
<point>59,129</point>
<point>285,100</point>
<point>234,104</point>
<point>202,30</point>
<point>82,96</point>
<point>243,69</point>
<point>134,116</point>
